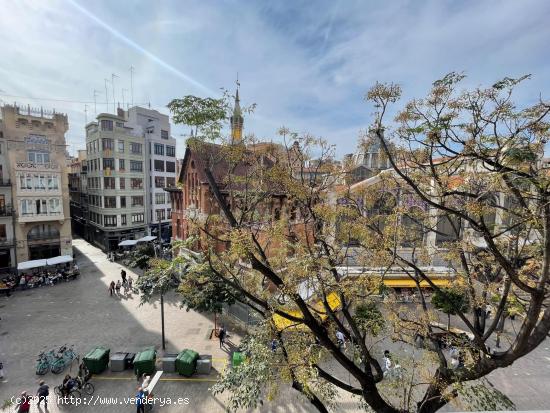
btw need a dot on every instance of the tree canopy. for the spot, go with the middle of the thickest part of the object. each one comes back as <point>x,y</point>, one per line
<point>466,190</point>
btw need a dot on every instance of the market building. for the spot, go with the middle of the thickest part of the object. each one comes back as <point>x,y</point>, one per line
<point>35,162</point>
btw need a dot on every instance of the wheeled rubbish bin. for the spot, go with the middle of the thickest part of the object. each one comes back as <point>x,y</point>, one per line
<point>186,362</point>
<point>144,362</point>
<point>97,359</point>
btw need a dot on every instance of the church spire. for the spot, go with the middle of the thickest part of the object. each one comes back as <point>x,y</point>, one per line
<point>237,118</point>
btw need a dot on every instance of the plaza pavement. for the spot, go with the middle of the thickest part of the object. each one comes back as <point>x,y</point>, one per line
<point>82,313</point>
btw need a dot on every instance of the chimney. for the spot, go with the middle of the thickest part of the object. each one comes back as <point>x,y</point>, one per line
<point>120,112</point>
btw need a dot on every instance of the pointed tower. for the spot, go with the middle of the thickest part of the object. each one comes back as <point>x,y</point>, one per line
<point>237,121</point>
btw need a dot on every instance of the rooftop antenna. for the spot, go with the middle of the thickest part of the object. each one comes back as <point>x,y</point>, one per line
<point>85,114</point>
<point>237,81</point>
<point>106,95</point>
<point>132,84</point>
<point>113,82</point>
<point>95,100</point>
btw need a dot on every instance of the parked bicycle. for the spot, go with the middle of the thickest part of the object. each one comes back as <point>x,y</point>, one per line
<point>49,361</point>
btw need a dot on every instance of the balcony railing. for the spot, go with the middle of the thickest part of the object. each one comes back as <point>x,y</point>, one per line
<point>6,211</point>
<point>5,182</point>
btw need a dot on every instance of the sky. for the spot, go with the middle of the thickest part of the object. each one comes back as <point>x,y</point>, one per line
<point>306,64</point>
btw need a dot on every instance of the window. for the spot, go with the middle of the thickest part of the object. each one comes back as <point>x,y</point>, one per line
<point>39,182</point>
<point>121,146</point>
<point>159,165</point>
<point>108,163</point>
<point>123,202</point>
<point>135,148</point>
<point>137,218</point>
<point>109,182</point>
<point>109,201</point>
<point>136,166</point>
<point>136,183</point>
<point>26,207</point>
<point>38,157</point>
<point>106,124</point>
<point>119,124</point>
<point>170,150</point>
<point>168,213</point>
<point>137,201</point>
<point>159,198</point>
<point>170,166</point>
<point>121,166</point>
<point>170,182</point>
<point>122,183</point>
<point>159,181</point>
<point>3,232</point>
<point>108,144</point>
<point>53,182</point>
<point>41,207</point>
<point>160,214</point>
<point>164,134</point>
<point>54,206</point>
<point>109,220</point>
<point>123,220</point>
<point>159,149</point>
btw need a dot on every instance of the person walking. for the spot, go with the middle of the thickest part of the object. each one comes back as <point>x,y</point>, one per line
<point>387,363</point>
<point>43,392</point>
<point>117,287</point>
<point>123,275</point>
<point>221,335</point>
<point>341,340</point>
<point>274,345</point>
<point>140,400</point>
<point>112,288</point>
<point>24,405</point>
<point>130,282</point>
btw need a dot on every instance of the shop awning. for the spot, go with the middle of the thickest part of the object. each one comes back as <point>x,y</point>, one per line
<point>408,283</point>
<point>127,243</point>
<point>283,323</point>
<point>147,238</point>
<point>27,265</point>
<point>62,259</point>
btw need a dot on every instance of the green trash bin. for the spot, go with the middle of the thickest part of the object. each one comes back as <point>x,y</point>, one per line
<point>186,362</point>
<point>97,359</point>
<point>144,362</point>
<point>238,358</point>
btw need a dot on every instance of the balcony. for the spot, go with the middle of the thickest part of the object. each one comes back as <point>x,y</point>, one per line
<point>6,211</point>
<point>6,242</point>
<point>5,182</point>
<point>32,217</point>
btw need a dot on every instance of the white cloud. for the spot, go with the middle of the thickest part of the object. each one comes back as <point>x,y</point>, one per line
<point>306,66</point>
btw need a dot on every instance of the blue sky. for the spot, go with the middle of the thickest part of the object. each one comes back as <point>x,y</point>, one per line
<point>306,64</point>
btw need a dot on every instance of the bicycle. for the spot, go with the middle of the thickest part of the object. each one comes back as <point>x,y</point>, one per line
<point>86,386</point>
<point>74,392</point>
<point>49,362</point>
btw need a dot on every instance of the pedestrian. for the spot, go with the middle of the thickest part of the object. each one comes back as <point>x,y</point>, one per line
<point>112,288</point>
<point>43,392</point>
<point>123,275</point>
<point>1,370</point>
<point>117,287</point>
<point>387,363</point>
<point>130,282</point>
<point>125,287</point>
<point>24,405</point>
<point>341,339</point>
<point>140,400</point>
<point>273,345</point>
<point>23,282</point>
<point>221,335</point>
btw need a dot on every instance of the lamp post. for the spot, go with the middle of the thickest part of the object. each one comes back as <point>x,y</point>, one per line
<point>161,308</point>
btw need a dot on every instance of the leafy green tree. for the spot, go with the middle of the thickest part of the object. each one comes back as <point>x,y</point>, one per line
<point>451,302</point>
<point>449,155</point>
<point>369,318</point>
<point>206,115</point>
<point>140,256</point>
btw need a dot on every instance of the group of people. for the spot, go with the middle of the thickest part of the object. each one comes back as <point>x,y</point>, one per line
<point>69,383</point>
<point>126,284</point>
